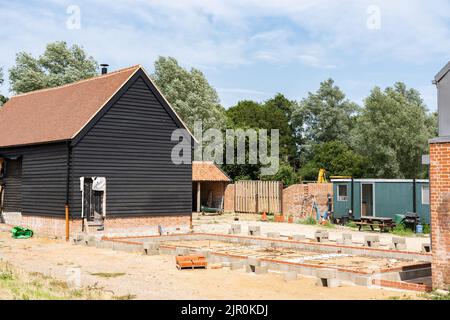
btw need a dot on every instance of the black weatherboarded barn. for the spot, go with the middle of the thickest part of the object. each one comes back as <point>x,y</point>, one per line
<point>103,146</point>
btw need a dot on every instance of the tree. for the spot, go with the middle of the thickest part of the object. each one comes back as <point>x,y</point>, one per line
<point>285,173</point>
<point>189,93</point>
<point>3,99</point>
<point>336,158</point>
<point>392,132</point>
<point>249,114</point>
<point>282,103</point>
<point>268,115</point>
<point>323,116</point>
<point>58,65</point>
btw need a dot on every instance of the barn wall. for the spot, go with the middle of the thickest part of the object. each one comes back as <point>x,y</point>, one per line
<point>41,188</point>
<point>131,146</point>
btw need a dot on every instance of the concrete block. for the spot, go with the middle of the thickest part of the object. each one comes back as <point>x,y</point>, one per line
<point>261,269</point>
<point>326,273</point>
<point>253,261</point>
<point>91,241</point>
<point>235,229</point>
<point>254,230</point>
<point>289,276</point>
<point>179,251</point>
<point>273,234</point>
<point>151,248</point>
<point>347,236</point>
<point>104,244</point>
<point>78,238</point>
<point>347,239</point>
<point>328,283</point>
<point>362,281</point>
<point>321,236</point>
<point>426,247</point>
<point>333,283</point>
<point>400,246</point>
<point>398,240</point>
<point>371,241</point>
<point>205,253</point>
<point>236,265</point>
<point>298,237</point>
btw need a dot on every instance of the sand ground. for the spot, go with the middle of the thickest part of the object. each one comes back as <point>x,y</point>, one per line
<point>156,277</point>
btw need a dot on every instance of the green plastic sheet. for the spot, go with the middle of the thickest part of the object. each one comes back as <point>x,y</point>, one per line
<point>21,233</point>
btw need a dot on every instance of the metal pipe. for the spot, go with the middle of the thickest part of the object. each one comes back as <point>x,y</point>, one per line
<point>352,205</point>
<point>67,222</point>
<point>66,206</point>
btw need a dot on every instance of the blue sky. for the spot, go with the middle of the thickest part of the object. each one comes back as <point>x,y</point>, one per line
<point>250,49</point>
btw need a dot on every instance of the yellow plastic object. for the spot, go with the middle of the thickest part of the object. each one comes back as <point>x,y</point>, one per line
<point>321,178</point>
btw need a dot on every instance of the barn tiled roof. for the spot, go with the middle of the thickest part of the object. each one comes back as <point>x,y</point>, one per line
<point>207,171</point>
<point>59,113</point>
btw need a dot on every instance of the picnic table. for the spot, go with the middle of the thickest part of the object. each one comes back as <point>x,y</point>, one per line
<point>381,222</point>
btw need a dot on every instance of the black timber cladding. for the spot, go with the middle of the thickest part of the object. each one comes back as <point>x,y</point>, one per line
<point>40,188</point>
<point>130,144</point>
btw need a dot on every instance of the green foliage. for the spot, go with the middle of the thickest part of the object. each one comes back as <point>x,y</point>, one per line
<point>286,174</point>
<point>108,274</point>
<point>426,229</point>
<point>272,114</point>
<point>308,220</point>
<point>3,99</point>
<point>324,116</point>
<point>351,224</point>
<point>58,65</point>
<point>328,224</point>
<point>337,158</point>
<point>189,93</point>
<point>436,296</point>
<point>392,132</point>
<point>401,230</point>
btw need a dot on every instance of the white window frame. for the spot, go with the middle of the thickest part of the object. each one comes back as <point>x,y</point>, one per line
<point>339,197</point>
<point>427,193</point>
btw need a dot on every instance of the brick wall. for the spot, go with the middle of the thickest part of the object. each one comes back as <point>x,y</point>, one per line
<point>294,196</point>
<point>440,213</point>
<point>50,226</point>
<point>216,189</point>
<point>228,203</point>
<point>56,227</point>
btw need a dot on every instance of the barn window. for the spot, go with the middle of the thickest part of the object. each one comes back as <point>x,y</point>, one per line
<point>425,195</point>
<point>342,192</point>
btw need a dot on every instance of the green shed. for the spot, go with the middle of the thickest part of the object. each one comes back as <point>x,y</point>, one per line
<point>381,197</point>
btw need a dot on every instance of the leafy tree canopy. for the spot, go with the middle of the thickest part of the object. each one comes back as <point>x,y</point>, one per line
<point>58,65</point>
<point>324,116</point>
<point>336,158</point>
<point>285,173</point>
<point>189,93</point>
<point>3,99</point>
<point>392,132</point>
<point>269,115</point>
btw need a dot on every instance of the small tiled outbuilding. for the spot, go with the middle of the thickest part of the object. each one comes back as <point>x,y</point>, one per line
<point>208,185</point>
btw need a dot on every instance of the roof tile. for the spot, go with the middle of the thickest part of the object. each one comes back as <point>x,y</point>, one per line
<point>57,114</point>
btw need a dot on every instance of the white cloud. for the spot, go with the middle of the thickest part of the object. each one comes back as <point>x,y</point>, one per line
<point>218,34</point>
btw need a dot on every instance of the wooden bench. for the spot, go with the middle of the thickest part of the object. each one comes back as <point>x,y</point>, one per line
<point>380,225</point>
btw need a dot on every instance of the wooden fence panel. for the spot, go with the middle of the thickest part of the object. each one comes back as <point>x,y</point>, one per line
<point>258,196</point>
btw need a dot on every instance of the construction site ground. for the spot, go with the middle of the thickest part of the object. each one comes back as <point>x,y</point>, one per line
<point>125,275</point>
<point>221,224</point>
